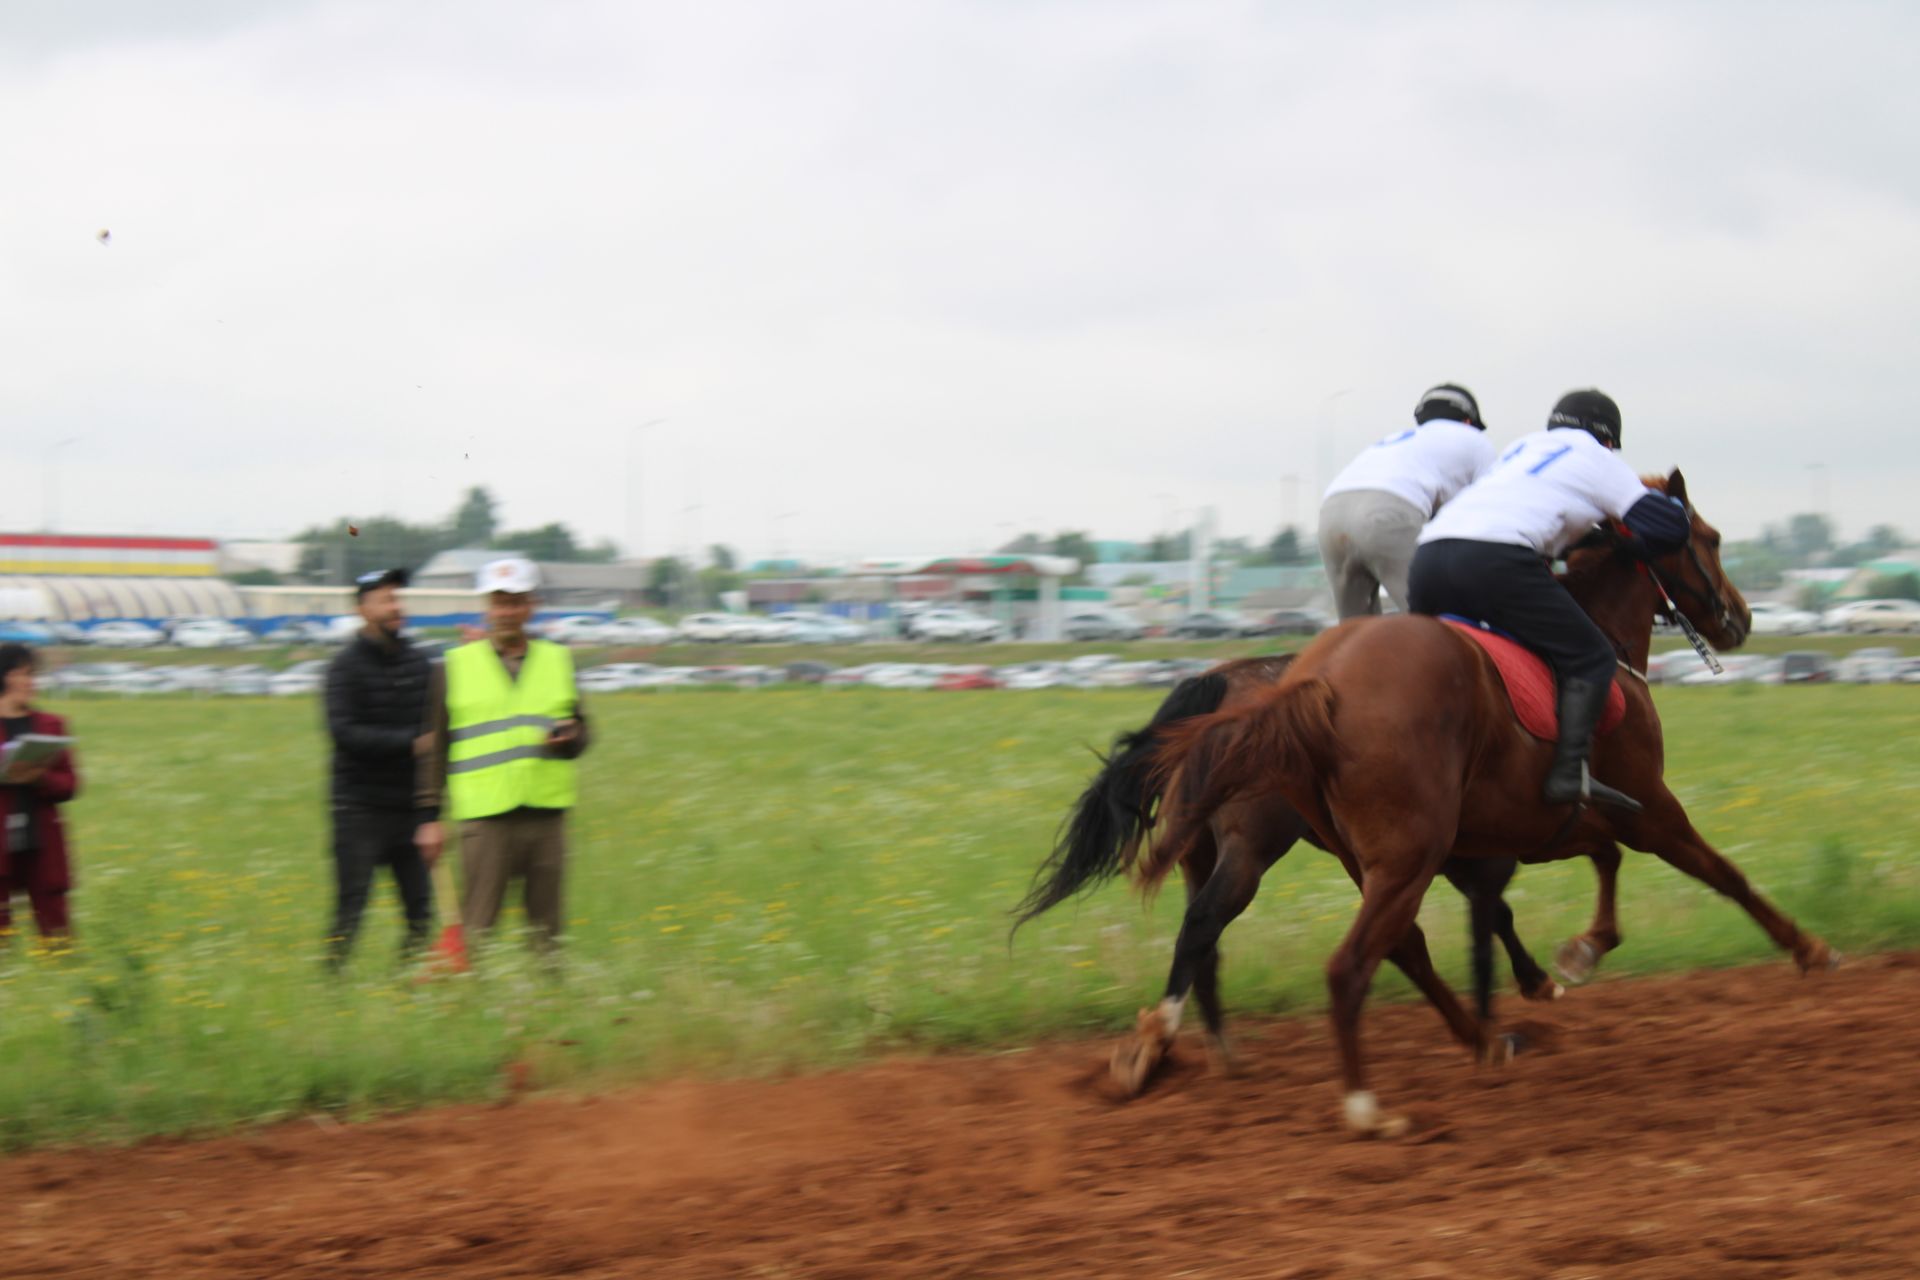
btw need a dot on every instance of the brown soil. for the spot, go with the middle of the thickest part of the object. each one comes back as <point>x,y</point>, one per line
<point>1736,1124</point>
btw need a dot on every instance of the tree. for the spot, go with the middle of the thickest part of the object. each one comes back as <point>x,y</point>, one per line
<point>668,581</point>
<point>256,578</point>
<point>342,552</point>
<point>1238,550</point>
<point>1027,544</point>
<point>1076,544</point>
<point>550,542</point>
<point>1894,586</point>
<point>476,520</point>
<point>1808,534</point>
<point>1285,548</point>
<point>1169,546</point>
<point>1754,566</point>
<point>720,556</point>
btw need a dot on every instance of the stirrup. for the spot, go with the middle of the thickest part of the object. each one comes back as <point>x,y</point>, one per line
<point>1601,793</point>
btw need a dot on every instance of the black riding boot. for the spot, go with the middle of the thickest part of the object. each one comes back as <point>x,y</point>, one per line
<point>1582,702</point>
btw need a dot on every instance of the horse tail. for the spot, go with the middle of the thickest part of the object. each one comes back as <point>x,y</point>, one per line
<point>1103,832</point>
<point>1283,740</point>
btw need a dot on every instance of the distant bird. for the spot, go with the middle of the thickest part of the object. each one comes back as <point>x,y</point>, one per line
<point>104,236</point>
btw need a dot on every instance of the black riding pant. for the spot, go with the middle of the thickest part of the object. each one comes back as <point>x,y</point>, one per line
<point>364,839</point>
<point>1511,588</point>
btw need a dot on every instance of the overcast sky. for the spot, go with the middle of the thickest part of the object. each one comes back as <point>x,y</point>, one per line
<point>908,277</point>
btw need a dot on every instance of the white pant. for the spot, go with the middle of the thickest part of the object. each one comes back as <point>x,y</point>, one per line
<point>1366,540</point>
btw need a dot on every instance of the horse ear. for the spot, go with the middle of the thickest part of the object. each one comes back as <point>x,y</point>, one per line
<point>1677,485</point>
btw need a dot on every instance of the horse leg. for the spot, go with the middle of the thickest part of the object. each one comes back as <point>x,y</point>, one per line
<point>1481,881</point>
<point>1389,904</point>
<point>1579,957</point>
<point>1664,831</point>
<point>1532,980</point>
<point>1226,884</point>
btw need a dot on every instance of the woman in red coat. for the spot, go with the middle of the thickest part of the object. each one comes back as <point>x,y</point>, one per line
<point>33,840</point>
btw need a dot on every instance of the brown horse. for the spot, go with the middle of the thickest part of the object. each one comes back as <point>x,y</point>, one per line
<point>1395,740</point>
<point>1112,823</point>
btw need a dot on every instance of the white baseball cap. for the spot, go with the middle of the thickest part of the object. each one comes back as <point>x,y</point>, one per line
<point>512,574</point>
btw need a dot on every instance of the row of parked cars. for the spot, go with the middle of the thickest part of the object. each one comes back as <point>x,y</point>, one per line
<point>1862,666</point>
<point>1857,617</point>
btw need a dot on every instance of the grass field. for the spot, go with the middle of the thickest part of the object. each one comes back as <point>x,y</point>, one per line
<point>790,877</point>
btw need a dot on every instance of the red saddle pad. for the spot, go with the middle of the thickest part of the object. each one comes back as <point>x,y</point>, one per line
<point>1530,684</point>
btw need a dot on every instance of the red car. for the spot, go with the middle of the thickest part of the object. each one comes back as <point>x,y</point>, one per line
<point>967,678</point>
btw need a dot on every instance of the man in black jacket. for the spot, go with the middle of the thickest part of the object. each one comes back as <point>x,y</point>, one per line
<point>376,706</point>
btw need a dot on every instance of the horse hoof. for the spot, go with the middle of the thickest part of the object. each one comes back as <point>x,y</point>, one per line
<point>1502,1049</point>
<point>1576,960</point>
<point>1366,1120</point>
<point>1135,1058</point>
<point>1547,990</point>
<point>1821,959</point>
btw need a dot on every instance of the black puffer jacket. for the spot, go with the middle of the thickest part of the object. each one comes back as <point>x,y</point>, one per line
<point>376,707</point>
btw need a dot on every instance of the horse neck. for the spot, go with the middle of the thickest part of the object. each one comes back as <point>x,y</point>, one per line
<point>1620,600</point>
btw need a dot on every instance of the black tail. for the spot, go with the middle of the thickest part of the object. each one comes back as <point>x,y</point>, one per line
<point>1102,835</point>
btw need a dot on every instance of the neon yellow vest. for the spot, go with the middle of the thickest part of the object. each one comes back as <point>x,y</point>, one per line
<point>497,729</point>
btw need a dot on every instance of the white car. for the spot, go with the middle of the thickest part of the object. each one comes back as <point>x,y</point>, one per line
<point>1771,618</point>
<point>300,678</point>
<point>1739,669</point>
<point>125,635</point>
<point>822,628</point>
<point>636,631</point>
<point>616,677</point>
<point>903,675</point>
<point>718,628</point>
<point>1869,666</point>
<point>953,624</point>
<point>211,633</point>
<point>1101,624</point>
<point>570,631</point>
<point>1871,617</point>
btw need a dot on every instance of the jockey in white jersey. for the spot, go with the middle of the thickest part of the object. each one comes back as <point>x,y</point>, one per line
<point>1373,510</point>
<point>1488,555</point>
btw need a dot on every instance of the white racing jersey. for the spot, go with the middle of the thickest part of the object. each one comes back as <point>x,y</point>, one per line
<point>1424,465</point>
<point>1545,492</point>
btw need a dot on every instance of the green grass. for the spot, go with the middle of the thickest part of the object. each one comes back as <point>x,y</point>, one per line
<point>788,878</point>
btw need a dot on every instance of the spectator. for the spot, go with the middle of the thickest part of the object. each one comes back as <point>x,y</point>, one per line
<point>507,725</point>
<point>33,839</point>
<point>376,700</point>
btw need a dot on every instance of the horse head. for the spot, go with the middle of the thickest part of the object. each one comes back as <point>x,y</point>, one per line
<point>1694,577</point>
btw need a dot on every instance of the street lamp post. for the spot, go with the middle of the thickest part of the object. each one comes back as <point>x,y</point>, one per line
<point>633,499</point>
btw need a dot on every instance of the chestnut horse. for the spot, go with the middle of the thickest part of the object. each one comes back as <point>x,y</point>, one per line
<point>1113,820</point>
<point>1394,738</point>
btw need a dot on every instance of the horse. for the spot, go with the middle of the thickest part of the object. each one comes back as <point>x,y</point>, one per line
<point>1111,823</point>
<point>1396,742</point>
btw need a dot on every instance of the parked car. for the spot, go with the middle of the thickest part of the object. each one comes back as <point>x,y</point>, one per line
<point>301,678</point>
<point>574,630</point>
<point>1210,624</point>
<point>1872,617</point>
<point>125,635</point>
<point>1869,666</point>
<point>966,678</point>
<point>1669,667</point>
<point>616,677</point>
<point>25,633</point>
<point>1804,666</point>
<point>902,675</point>
<point>835,630</point>
<point>717,628</point>
<point>249,681</point>
<point>210,633</point>
<point>808,672</point>
<point>1290,622</point>
<point>1031,675</point>
<point>1771,618</point>
<point>953,625</point>
<point>1101,624</point>
<point>1740,668</point>
<point>636,631</point>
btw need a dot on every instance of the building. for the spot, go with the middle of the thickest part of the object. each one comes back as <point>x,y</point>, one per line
<point>564,584</point>
<point>47,577</point>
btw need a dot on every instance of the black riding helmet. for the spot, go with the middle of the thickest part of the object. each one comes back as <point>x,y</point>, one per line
<point>1593,412</point>
<point>1450,401</point>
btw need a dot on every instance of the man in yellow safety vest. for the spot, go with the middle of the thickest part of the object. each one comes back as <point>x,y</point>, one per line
<point>505,725</point>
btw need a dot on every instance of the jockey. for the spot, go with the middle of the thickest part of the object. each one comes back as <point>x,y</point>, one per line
<point>1488,555</point>
<point>1373,510</point>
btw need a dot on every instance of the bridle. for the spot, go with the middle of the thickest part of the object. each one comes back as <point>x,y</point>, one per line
<point>1712,599</point>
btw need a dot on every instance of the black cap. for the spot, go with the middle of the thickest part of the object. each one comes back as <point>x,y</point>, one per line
<point>378,578</point>
<point>1593,412</point>
<point>1450,401</point>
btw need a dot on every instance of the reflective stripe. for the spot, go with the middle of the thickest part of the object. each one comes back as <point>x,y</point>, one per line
<point>531,751</point>
<point>465,732</point>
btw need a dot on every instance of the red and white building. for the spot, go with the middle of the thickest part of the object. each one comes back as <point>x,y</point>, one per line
<point>57,577</point>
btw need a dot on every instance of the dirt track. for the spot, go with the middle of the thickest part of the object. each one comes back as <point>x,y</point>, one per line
<point>1738,1124</point>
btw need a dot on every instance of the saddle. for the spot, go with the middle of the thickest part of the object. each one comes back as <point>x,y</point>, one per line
<point>1529,682</point>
